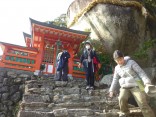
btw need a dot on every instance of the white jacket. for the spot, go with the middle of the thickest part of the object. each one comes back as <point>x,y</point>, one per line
<point>127,74</point>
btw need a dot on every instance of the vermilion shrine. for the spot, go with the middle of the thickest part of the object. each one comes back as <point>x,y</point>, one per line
<point>42,47</point>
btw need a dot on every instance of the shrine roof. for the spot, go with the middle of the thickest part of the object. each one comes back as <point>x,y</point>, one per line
<point>26,36</point>
<point>58,27</point>
<point>18,46</point>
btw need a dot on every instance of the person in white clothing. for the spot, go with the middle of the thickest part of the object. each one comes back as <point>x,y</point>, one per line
<point>127,73</point>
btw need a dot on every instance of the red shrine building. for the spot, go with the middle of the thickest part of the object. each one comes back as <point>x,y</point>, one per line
<point>42,46</point>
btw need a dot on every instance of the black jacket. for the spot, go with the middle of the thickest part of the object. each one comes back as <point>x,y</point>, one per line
<point>85,55</point>
<point>63,59</point>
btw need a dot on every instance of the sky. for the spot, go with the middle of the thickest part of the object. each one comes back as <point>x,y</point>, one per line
<point>15,14</point>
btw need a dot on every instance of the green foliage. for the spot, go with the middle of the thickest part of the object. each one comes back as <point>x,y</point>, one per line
<point>151,6</point>
<point>105,60</point>
<point>150,2</point>
<point>142,52</point>
<point>16,109</point>
<point>60,21</point>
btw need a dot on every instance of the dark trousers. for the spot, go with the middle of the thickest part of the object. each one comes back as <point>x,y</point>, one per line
<point>90,74</point>
<point>63,73</point>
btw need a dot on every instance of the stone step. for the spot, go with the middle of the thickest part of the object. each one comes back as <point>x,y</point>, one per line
<point>97,105</point>
<point>79,112</point>
<point>68,94</point>
<point>77,90</point>
<point>39,84</point>
<point>59,113</point>
<point>66,91</point>
<point>35,114</point>
<point>49,98</point>
<point>77,98</point>
<point>28,98</point>
<point>61,98</point>
<point>35,106</point>
<point>71,105</point>
<point>47,83</point>
<point>134,112</point>
<point>43,82</point>
<point>43,90</point>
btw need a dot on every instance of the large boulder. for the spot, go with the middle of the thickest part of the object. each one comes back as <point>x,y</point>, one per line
<point>117,24</point>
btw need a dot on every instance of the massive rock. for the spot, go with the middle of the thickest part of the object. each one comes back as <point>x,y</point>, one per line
<point>117,24</point>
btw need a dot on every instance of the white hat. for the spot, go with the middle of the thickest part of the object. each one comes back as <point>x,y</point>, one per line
<point>150,90</point>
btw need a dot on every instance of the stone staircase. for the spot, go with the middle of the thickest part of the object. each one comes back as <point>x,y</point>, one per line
<point>49,98</point>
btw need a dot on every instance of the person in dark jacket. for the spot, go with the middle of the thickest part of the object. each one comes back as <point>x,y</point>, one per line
<point>86,60</point>
<point>62,66</point>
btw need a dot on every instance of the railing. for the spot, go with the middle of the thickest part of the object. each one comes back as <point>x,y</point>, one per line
<point>19,60</point>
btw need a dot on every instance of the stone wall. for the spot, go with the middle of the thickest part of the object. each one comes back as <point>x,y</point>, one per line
<point>12,83</point>
<point>32,97</point>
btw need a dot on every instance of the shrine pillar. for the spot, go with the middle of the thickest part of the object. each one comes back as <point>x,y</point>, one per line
<point>40,52</point>
<point>70,63</point>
